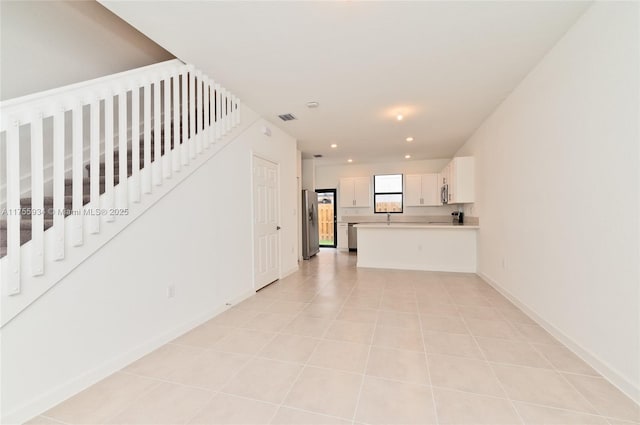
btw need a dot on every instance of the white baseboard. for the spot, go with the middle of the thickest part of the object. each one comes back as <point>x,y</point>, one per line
<point>291,271</point>
<point>75,385</point>
<point>607,371</point>
<point>240,298</point>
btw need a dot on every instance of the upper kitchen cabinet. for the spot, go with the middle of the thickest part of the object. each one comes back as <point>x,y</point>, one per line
<point>355,192</point>
<point>459,176</point>
<point>422,190</point>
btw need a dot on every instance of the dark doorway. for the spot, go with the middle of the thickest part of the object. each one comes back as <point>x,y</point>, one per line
<point>327,230</point>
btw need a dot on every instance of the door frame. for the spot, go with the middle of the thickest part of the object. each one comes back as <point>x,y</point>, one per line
<point>254,155</point>
<point>335,216</point>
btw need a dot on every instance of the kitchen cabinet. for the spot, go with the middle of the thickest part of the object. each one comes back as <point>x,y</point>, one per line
<point>355,192</point>
<point>343,236</point>
<point>422,190</point>
<point>459,176</point>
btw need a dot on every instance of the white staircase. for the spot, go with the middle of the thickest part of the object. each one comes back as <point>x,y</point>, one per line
<point>62,156</point>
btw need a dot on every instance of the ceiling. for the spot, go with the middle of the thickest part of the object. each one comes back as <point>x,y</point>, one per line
<point>445,66</point>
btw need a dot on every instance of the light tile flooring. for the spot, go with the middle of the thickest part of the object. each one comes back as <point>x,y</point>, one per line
<point>333,344</point>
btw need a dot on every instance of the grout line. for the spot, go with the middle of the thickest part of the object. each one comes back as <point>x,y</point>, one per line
<point>512,324</point>
<point>204,406</point>
<point>493,372</point>
<point>366,363</point>
<point>564,378</point>
<point>426,359</point>
<point>315,413</point>
<point>132,402</point>
<point>250,358</point>
<point>53,419</point>
<point>563,409</point>
<point>307,275</point>
<point>305,364</point>
<point>277,405</point>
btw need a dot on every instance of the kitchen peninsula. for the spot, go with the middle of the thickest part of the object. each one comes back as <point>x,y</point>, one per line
<point>417,246</point>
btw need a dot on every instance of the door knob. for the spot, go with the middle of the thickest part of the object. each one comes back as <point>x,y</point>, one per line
<point>277,227</point>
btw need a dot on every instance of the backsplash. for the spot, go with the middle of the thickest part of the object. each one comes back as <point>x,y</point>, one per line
<point>400,218</point>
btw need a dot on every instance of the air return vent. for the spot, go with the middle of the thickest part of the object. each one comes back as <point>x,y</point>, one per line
<point>287,117</point>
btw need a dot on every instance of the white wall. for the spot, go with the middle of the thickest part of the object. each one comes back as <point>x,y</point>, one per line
<point>328,177</point>
<point>49,44</point>
<point>114,307</point>
<point>308,167</point>
<point>299,187</point>
<point>558,191</point>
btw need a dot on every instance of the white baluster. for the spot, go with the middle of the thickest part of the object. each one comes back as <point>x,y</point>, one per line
<point>134,181</point>
<point>109,199</point>
<point>238,112</point>
<point>223,111</point>
<point>229,111</point>
<point>156,166</point>
<point>58,184</point>
<point>184,119</point>
<point>214,114</point>
<point>192,113</point>
<point>199,110</point>
<point>12,273</point>
<point>146,171</point>
<point>77,174</point>
<point>233,111</point>
<point>166,159</point>
<point>123,196</point>
<point>228,117</point>
<point>212,111</point>
<point>206,125</point>
<point>37,196</point>
<point>175,154</point>
<point>218,112</point>
<point>94,161</point>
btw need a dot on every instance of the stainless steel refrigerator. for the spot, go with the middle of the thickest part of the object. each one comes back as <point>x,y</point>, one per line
<point>310,242</point>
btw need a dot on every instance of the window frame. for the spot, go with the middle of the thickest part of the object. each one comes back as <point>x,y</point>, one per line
<point>401,193</point>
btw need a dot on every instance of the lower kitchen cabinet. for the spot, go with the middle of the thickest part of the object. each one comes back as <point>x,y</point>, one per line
<point>343,236</point>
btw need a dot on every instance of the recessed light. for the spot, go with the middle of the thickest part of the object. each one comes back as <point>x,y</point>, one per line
<point>399,117</point>
<point>312,104</point>
<point>333,145</point>
<point>407,156</point>
<point>409,139</point>
<point>349,160</point>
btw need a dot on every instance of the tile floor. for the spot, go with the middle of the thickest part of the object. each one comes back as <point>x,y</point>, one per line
<point>333,344</point>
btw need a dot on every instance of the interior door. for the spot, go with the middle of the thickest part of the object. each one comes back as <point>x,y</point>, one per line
<point>266,241</point>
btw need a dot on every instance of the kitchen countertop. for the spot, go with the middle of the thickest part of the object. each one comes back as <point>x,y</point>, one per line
<point>423,225</point>
<point>406,219</point>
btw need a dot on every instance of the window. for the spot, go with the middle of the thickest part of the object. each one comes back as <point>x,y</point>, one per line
<point>387,193</point>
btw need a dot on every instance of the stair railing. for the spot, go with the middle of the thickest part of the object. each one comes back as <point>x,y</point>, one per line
<point>158,118</point>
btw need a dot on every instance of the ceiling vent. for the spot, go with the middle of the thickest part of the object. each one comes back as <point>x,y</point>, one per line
<point>317,155</point>
<point>287,117</point>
